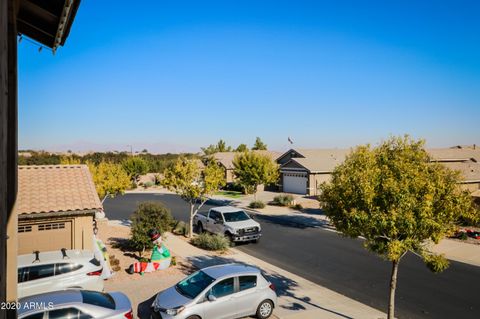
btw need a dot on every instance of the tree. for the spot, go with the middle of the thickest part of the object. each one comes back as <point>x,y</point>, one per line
<point>253,169</point>
<point>109,179</point>
<point>148,216</point>
<point>398,200</point>
<point>70,160</point>
<point>185,178</point>
<point>135,166</point>
<point>259,145</point>
<point>242,148</point>
<point>220,147</point>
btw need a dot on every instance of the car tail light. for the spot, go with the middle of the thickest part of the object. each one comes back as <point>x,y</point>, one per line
<point>272,286</point>
<point>129,315</point>
<point>95,273</point>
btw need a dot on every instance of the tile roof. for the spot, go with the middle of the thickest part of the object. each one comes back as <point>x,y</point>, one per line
<point>55,188</point>
<point>454,154</point>
<point>226,158</point>
<point>470,171</point>
<point>321,160</point>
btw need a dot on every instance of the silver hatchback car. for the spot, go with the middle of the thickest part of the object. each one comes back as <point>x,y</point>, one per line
<point>219,292</point>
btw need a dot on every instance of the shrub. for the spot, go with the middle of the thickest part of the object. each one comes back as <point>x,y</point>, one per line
<point>148,216</point>
<point>297,207</point>
<point>148,184</point>
<point>211,242</point>
<point>180,228</point>
<point>283,200</point>
<point>257,204</point>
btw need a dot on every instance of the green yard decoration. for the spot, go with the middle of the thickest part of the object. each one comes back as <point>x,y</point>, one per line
<point>400,201</point>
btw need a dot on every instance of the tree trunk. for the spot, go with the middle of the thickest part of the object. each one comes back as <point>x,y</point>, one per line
<point>190,228</point>
<point>393,286</point>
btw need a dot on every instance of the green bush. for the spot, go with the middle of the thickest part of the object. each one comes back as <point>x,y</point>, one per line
<point>211,242</point>
<point>257,204</point>
<point>283,200</point>
<point>297,207</point>
<point>148,216</point>
<point>180,228</point>
<point>148,184</point>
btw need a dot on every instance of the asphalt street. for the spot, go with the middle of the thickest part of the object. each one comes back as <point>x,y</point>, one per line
<point>342,264</point>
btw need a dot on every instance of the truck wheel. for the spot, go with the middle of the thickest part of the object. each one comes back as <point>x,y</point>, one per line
<point>256,241</point>
<point>200,228</point>
<point>230,237</point>
<point>265,309</point>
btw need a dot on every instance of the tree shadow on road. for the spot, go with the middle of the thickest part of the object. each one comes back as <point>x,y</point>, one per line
<point>294,221</point>
<point>284,287</point>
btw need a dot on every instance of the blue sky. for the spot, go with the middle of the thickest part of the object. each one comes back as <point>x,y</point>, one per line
<point>177,75</point>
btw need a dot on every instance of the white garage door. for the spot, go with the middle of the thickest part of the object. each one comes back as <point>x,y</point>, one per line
<point>295,183</point>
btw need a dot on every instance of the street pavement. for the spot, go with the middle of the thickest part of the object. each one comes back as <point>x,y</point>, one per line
<point>303,248</point>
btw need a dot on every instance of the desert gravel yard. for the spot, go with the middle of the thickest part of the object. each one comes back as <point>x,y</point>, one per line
<point>140,289</point>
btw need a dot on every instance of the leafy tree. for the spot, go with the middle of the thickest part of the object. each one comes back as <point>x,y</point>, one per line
<point>135,166</point>
<point>242,148</point>
<point>144,150</point>
<point>70,160</point>
<point>186,179</point>
<point>220,147</point>
<point>259,145</point>
<point>109,179</point>
<point>148,216</point>
<point>398,200</point>
<point>253,169</point>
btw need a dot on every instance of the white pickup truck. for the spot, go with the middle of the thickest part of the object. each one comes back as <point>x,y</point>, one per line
<point>229,221</point>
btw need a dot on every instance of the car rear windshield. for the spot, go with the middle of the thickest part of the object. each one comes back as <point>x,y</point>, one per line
<point>194,284</point>
<point>235,216</point>
<point>98,299</point>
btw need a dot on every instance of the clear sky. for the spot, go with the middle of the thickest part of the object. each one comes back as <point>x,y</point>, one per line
<point>177,75</point>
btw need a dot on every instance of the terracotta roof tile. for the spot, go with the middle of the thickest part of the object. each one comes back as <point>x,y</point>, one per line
<point>55,188</point>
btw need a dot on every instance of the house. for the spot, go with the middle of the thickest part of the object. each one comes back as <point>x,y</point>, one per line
<point>225,159</point>
<point>303,170</point>
<point>56,205</point>
<point>48,23</point>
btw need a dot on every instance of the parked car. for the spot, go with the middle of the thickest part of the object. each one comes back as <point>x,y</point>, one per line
<point>230,221</point>
<point>58,270</point>
<point>219,292</point>
<point>78,304</point>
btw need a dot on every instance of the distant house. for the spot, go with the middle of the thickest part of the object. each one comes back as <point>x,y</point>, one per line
<point>303,170</point>
<point>225,159</point>
<point>56,205</point>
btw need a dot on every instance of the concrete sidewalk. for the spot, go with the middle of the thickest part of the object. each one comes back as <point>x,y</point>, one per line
<point>298,297</point>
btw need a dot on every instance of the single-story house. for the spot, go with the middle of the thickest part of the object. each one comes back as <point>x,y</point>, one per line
<point>303,170</point>
<point>56,206</point>
<point>225,159</point>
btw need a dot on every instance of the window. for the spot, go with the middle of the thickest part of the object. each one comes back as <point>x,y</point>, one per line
<point>68,313</point>
<point>236,216</point>
<point>223,288</point>
<point>247,282</point>
<point>98,299</point>
<point>194,284</point>
<point>51,226</point>
<point>215,215</point>
<point>64,268</point>
<point>21,271</point>
<point>39,272</point>
<point>24,229</point>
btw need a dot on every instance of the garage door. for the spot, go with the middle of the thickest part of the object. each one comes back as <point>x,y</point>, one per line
<point>295,183</point>
<point>44,237</point>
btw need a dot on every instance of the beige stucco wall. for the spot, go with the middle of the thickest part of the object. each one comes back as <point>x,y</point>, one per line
<point>314,181</point>
<point>12,272</point>
<point>229,176</point>
<point>81,231</point>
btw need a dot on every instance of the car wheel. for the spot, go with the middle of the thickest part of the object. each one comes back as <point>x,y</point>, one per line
<point>193,317</point>
<point>265,309</point>
<point>256,241</point>
<point>200,228</point>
